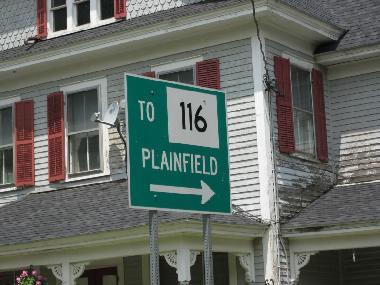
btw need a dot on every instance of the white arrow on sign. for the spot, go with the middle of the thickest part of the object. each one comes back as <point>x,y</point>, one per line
<point>205,191</point>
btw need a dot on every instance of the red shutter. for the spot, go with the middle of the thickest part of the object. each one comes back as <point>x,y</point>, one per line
<point>319,116</point>
<point>41,19</point>
<point>56,137</point>
<point>120,9</point>
<point>208,73</point>
<point>24,137</point>
<point>284,106</point>
<point>150,74</point>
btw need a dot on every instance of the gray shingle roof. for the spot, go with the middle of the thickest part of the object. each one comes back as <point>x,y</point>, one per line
<point>117,27</point>
<point>360,17</point>
<point>313,8</point>
<point>83,210</point>
<point>342,206</point>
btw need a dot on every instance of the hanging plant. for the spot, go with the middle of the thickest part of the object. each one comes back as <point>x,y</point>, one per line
<point>30,277</point>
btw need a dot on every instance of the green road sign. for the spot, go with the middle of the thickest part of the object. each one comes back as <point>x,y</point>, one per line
<point>177,146</point>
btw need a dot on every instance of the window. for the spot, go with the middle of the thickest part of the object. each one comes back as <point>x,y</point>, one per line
<point>82,9</point>
<point>74,15</point>
<point>183,76</point>
<point>59,12</point>
<point>6,146</point>
<point>106,9</point>
<point>83,134</point>
<point>86,148</point>
<point>303,114</point>
<point>301,118</point>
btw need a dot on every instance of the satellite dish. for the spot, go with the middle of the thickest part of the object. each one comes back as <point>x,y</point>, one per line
<point>111,114</point>
<point>95,117</point>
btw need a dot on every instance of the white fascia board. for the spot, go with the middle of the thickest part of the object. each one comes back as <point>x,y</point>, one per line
<point>336,240</point>
<point>349,55</point>
<point>332,232</point>
<point>138,234</point>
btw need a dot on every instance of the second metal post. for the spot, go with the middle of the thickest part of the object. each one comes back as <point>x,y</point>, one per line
<point>154,250</point>
<point>207,251</point>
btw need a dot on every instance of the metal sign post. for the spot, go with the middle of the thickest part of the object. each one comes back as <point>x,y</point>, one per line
<point>154,250</point>
<point>207,251</point>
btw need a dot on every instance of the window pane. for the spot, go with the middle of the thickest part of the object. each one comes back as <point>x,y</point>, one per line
<point>106,9</point>
<point>75,110</point>
<point>57,3</point>
<point>80,107</point>
<point>91,106</point>
<point>83,13</point>
<point>78,153</point>
<point>6,166</point>
<point>5,126</point>
<point>301,89</point>
<point>183,76</point>
<point>93,146</point>
<point>186,76</point>
<point>169,76</point>
<point>304,131</point>
<point>60,19</point>
<point>7,278</point>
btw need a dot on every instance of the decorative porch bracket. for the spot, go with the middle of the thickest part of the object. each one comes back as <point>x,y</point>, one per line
<point>68,272</point>
<point>300,260</point>
<point>247,262</point>
<point>182,260</point>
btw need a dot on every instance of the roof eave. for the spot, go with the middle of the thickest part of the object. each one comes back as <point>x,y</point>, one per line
<point>140,234</point>
<point>316,29</point>
<point>348,55</point>
<point>315,231</point>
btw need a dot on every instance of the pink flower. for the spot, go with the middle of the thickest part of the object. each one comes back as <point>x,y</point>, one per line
<point>34,273</point>
<point>38,282</point>
<point>18,279</point>
<point>24,273</point>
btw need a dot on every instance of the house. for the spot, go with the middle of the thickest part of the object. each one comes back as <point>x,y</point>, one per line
<point>303,149</point>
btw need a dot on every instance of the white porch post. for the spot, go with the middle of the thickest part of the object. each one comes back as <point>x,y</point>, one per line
<point>182,259</point>
<point>67,272</point>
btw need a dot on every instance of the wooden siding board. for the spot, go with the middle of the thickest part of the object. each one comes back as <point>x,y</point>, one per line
<point>295,174</point>
<point>356,124</point>
<point>236,80</point>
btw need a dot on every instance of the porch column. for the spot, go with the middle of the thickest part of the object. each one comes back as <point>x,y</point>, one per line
<point>68,272</point>
<point>182,259</point>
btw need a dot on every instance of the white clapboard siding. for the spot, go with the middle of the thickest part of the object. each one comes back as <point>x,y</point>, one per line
<point>356,127</point>
<point>295,174</point>
<point>236,80</point>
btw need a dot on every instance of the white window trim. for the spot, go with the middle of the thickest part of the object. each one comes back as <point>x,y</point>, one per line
<point>173,66</point>
<point>95,19</point>
<point>301,63</point>
<point>308,66</point>
<point>101,85</point>
<point>5,103</point>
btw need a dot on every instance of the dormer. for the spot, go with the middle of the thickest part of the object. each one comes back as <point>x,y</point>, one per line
<point>60,17</point>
